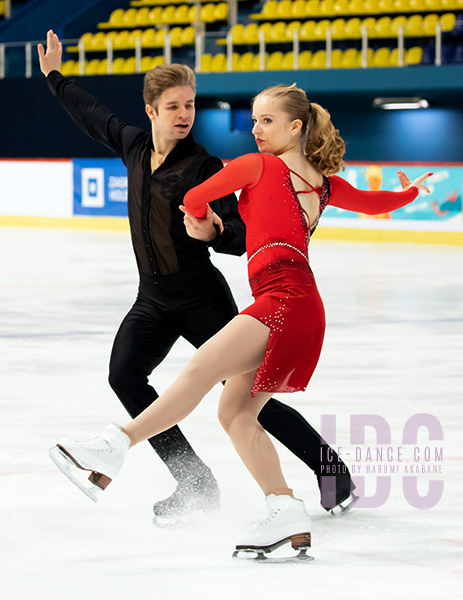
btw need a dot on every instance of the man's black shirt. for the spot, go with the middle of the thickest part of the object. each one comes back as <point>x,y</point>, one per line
<point>160,241</point>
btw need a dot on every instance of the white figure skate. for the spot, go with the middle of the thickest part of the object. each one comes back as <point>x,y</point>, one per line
<point>287,522</point>
<point>345,506</point>
<point>103,456</point>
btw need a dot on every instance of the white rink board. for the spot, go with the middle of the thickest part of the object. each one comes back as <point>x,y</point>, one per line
<point>36,188</point>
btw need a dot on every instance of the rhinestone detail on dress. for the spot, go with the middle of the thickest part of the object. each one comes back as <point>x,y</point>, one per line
<point>278,244</point>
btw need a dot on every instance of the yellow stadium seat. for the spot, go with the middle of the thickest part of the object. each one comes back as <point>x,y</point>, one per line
<point>318,60</point>
<point>98,43</point>
<point>188,36</point>
<point>313,8</point>
<point>355,7</point>
<point>148,38</point>
<point>115,19</point>
<point>340,7</point>
<point>155,16</point>
<point>381,58</point>
<point>133,36</point>
<point>247,62</point>
<point>326,8</point>
<point>370,7</point>
<point>208,13</point>
<point>206,62</point>
<point>299,9</point>
<point>157,60</point>
<point>145,64</point>
<point>447,21</point>
<point>102,67</point>
<point>118,66</point>
<point>414,55</point>
<point>250,34</point>
<point>121,41</point>
<point>385,6</point>
<point>369,23</point>
<point>176,37</point>
<point>307,31</point>
<point>394,57</point>
<point>350,59</point>
<point>129,18</point>
<point>270,10</point>
<point>219,63</point>
<point>430,24</point>
<point>417,6</point>
<point>221,11</point>
<point>432,5</point>
<point>70,67</point>
<point>160,38</point>
<point>278,33</point>
<point>181,14</point>
<point>130,65</point>
<point>142,17</point>
<point>305,58</point>
<point>287,64</point>
<point>274,61</point>
<point>397,23</point>
<point>400,6</point>
<point>284,9</point>
<point>352,28</point>
<point>291,28</point>
<point>338,31</point>
<point>168,15</point>
<point>382,28</point>
<point>321,28</point>
<point>414,26</point>
<point>336,58</point>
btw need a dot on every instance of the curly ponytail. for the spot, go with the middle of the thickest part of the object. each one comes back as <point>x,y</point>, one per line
<point>323,146</point>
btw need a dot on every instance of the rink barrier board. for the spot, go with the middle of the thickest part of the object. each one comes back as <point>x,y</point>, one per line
<point>325,233</point>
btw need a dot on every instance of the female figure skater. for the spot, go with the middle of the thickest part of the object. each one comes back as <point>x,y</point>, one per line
<point>274,344</point>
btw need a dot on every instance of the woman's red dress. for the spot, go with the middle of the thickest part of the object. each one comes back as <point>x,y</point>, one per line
<point>286,297</point>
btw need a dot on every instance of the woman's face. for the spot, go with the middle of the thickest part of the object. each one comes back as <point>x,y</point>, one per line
<point>273,129</point>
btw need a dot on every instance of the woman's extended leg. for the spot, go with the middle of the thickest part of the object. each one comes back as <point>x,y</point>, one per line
<point>238,412</point>
<point>238,348</point>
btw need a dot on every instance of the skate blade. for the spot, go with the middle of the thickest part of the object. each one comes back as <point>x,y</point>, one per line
<point>259,555</point>
<point>299,541</point>
<point>70,468</point>
<point>341,509</point>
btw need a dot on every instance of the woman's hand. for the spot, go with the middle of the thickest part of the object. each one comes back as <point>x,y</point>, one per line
<point>202,229</point>
<point>51,59</point>
<point>418,183</point>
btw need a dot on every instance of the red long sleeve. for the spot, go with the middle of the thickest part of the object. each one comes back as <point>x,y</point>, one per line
<point>244,171</point>
<point>344,195</point>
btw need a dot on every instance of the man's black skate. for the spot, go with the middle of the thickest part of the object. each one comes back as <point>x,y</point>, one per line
<point>337,493</point>
<point>199,493</point>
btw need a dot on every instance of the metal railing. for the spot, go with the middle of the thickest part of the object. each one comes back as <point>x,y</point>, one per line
<point>201,37</point>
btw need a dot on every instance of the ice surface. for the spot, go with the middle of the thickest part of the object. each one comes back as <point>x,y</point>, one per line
<point>393,348</point>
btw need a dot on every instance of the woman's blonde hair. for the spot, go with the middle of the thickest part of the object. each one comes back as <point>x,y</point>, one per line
<point>323,146</point>
<point>163,77</point>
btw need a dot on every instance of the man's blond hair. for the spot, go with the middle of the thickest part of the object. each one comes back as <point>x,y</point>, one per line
<point>163,77</point>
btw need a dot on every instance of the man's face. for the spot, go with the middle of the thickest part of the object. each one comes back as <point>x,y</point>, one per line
<point>175,113</point>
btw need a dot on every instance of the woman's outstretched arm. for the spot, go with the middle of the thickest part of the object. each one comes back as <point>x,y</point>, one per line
<point>344,195</point>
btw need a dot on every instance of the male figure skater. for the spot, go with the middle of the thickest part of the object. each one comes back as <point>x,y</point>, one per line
<point>181,294</point>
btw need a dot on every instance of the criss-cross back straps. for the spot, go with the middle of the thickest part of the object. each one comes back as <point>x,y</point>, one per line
<point>313,189</point>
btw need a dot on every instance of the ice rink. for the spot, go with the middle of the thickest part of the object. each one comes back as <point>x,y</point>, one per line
<point>393,348</point>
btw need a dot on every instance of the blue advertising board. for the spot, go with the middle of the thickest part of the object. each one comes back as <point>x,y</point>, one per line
<point>100,187</point>
<point>443,203</point>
